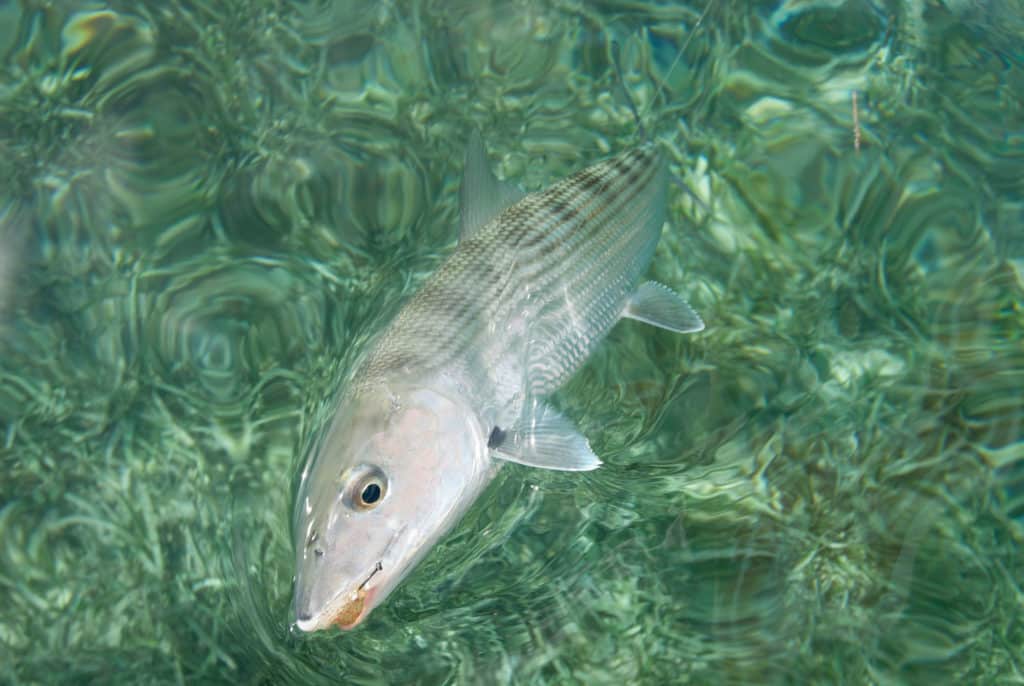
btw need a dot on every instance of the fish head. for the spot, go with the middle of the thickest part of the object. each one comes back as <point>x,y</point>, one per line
<point>395,470</point>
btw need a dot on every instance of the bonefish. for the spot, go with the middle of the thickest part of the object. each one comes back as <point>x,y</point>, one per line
<point>455,385</point>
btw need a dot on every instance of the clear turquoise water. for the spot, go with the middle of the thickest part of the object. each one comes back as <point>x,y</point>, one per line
<point>208,204</point>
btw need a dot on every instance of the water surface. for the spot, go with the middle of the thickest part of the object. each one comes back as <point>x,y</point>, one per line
<point>207,207</point>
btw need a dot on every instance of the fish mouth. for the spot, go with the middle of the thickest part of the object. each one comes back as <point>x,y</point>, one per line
<point>354,611</point>
<point>345,610</point>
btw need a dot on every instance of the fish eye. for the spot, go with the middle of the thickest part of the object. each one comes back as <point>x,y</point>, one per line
<point>367,488</point>
<point>371,494</point>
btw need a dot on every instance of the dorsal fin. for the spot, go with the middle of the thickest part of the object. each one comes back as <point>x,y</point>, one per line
<point>482,196</point>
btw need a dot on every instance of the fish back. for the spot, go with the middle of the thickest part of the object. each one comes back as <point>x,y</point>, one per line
<point>522,302</point>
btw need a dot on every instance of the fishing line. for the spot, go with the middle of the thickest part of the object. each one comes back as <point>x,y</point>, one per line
<point>679,56</point>
<point>617,64</point>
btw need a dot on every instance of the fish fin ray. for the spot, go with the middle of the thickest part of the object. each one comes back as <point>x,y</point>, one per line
<point>482,196</point>
<point>547,441</point>
<point>660,306</point>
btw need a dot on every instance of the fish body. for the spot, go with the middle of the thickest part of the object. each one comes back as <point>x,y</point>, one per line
<point>455,384</point>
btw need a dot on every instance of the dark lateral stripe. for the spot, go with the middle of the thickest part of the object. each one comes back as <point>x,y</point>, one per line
<point>555,265</point>
<point>465,298</point>
<point>592,268</point>
<point>581,233</point>
<point>599,215</point>
<point>598,285</point>
<point>551,231</point>
<point>591,184</point>
<point>625,179</point>
<point>610,223</point>
<point>451,309</point>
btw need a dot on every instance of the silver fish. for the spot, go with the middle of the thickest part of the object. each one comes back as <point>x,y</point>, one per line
<point>455,384</point>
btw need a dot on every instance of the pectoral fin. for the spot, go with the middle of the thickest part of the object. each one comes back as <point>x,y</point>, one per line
<point>660,306</point>
<point>482,196</point>
<point>546,441</point>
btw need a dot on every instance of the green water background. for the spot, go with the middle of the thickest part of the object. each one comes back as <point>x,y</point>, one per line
<point>206,205</point>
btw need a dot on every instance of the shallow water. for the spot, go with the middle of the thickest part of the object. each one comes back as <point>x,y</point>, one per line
<point>208,205</point>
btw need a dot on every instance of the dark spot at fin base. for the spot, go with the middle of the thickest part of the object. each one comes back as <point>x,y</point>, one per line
<point>496,438</point>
